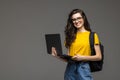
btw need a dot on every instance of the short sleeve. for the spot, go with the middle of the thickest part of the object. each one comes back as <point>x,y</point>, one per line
<point>96,39</point>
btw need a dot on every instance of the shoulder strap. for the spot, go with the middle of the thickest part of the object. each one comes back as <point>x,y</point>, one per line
<point>91,40</point>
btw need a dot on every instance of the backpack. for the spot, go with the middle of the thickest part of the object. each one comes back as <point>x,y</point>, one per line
<point>95,65</point>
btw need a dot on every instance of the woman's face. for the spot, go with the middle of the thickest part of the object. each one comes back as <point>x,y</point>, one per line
<point>77,20</point>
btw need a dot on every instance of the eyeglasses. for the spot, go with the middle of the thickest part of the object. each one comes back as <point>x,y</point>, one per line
<point>76,19</point>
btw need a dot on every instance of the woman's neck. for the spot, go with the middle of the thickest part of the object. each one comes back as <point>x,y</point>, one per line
<point>82,29</point>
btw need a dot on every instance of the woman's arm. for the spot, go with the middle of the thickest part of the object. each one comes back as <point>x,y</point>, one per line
<point>96,57</point>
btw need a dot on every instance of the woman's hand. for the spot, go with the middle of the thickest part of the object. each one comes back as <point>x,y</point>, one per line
<point>78,57</point>
<point>54,52</point>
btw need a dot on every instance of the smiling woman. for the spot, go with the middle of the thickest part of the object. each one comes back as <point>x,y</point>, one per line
<point>77,33</point>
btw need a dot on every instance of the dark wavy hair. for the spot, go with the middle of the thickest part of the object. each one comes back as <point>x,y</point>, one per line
<point>70,30</point>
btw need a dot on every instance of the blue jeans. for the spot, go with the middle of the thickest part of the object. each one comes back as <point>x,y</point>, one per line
<point>78,71</point>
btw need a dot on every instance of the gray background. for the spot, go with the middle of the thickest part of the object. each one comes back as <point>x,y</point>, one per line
<point>23,23</point>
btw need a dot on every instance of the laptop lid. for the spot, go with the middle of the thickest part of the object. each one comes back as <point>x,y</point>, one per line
<point>53,40</point>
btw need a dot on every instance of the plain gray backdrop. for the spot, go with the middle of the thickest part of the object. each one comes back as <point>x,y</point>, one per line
<point>23,24</point>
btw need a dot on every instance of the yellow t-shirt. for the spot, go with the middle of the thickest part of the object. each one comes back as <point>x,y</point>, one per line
<point>81,44</point>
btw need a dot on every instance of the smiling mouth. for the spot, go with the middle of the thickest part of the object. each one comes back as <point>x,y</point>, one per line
<point>79,23</point>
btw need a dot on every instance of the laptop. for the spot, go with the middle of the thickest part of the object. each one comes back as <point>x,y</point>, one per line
<point>54,40</point>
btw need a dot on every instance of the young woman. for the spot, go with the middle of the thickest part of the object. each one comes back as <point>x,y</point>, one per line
<point>77,33</point>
